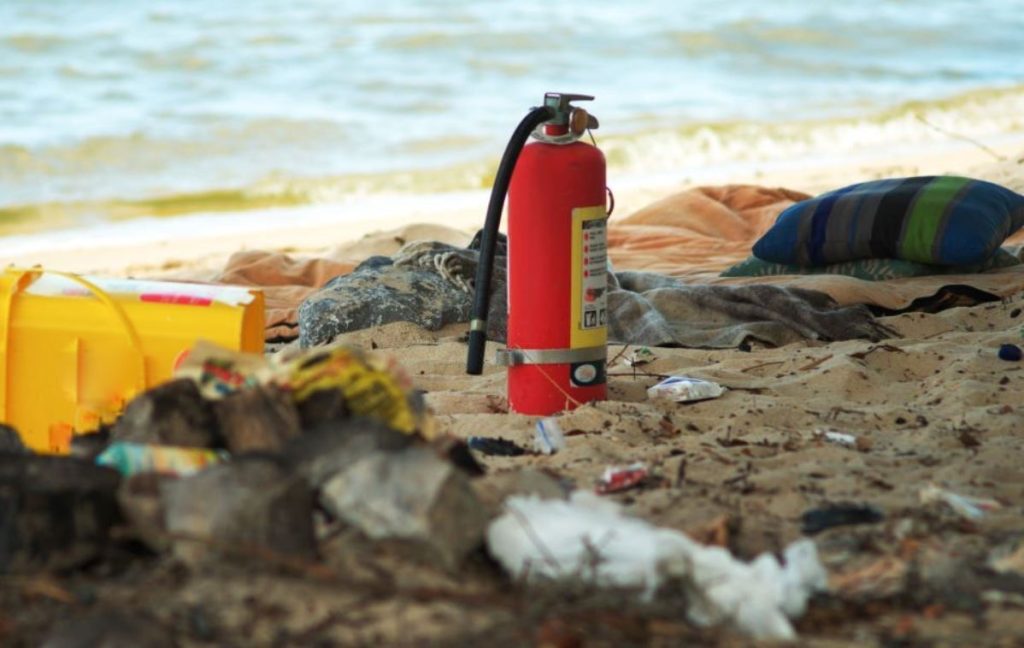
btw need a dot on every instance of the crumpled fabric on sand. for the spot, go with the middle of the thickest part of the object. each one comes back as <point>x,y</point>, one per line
<point>654,310</point>
<point>430,284</point>
<point>690,236</point>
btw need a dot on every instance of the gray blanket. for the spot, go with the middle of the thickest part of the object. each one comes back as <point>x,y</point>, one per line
<point>431,284</point>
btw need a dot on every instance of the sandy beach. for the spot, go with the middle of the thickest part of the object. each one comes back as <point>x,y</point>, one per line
<point>197,245</point>
<point>799,428</point>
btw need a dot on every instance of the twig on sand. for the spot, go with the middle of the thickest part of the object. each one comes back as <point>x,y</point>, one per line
<point>618,355</point>
<point>860,355</point>
<point>763,364</point>
<point>814,363</point>
<point>998,157</point>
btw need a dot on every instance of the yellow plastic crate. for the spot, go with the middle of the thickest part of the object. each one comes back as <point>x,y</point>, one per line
<point>74,350</point>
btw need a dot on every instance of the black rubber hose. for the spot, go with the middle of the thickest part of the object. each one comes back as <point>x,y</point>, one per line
<point>485,267</point>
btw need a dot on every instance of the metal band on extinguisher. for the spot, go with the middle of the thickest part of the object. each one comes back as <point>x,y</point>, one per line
<point>588,318</point>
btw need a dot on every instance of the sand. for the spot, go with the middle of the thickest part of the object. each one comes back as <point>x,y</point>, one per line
<point>933,406</point>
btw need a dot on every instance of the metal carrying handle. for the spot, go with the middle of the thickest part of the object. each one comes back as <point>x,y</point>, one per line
<point>24,278</point>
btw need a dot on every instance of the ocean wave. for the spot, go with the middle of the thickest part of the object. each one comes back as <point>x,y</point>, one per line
<point>27,43</point>
<point>678,151</point>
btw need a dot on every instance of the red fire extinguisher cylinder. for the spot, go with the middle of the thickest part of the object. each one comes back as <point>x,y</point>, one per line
<point>550,182</point>
<point>556,343</point>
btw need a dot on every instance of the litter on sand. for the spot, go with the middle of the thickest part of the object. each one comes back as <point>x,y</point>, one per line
<point>589,538</point>
<point>682,389</point>
<point>839,438</point>
<point>132,458</point>
<point>548,438</point>
<point>639,356</point>
<point>972,508</point>
<point>620,478</point>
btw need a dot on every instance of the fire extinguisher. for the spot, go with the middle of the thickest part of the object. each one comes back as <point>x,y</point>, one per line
<point>556,347</point>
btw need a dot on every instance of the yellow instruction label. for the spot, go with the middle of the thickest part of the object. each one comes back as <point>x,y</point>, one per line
<point>589,302</point>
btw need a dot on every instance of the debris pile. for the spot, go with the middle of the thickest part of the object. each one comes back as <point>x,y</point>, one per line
<point>326,466</point>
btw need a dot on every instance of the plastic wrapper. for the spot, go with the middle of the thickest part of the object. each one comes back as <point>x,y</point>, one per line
<point>548,438</point>
<point>972,508</point>
<point>373,386</point>
<point>683,389</point>
<point>639,356</point>
<point>589,538</point>
<point>620,478</point>
<point>218,371</point>
<point>132,458</point>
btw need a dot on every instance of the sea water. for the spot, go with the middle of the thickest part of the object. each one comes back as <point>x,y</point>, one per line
<point>111,109</point>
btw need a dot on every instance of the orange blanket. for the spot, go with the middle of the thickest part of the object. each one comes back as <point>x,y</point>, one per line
<point>692,235</point>
<point>700,231</point>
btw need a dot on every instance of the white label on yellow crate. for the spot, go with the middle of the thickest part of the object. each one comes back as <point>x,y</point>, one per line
<point>54,285</point>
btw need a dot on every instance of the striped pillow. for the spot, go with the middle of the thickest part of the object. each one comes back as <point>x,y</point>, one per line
<point>940,220</point>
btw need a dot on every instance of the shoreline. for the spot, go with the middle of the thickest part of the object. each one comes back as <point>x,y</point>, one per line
<point>201,243</point>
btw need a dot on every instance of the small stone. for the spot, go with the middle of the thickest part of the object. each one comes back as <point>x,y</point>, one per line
<point>139,497</point>
<point>321,407</point>
<point>413,496</point>
<point>253,501</point>
<point>173,413</point>
<point>10,440</point>
<point>109,629</point>
<point>259,418</point>
<point>1010,352</point>
<point>90,445</point>
<point>333,446</point>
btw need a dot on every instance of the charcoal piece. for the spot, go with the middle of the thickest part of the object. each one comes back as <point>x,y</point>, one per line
<point>173,413</point>
<point>842,514</point>
<point>258,418</point>
<point>457,452</point>
<point>55,512</point>
<point>90,445</point>
<point>322,406</point>
<point>496,446</point>
<point>10,440</point>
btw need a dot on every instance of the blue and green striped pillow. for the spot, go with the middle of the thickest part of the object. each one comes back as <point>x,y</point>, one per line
<point>939,220</point>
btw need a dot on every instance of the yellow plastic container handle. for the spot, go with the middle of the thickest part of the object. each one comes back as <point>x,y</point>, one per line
<point>16,280</point>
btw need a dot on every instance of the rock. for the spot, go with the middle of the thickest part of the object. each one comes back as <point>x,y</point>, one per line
<point>428,286</point>
<point>840,514</point>
<point>1008,557</point>
<point>90,445</point>
<point>139,497</point>
<point>254,502</point>
<point>109,629</point>
<point>259,418</point>
<point>494,489</point>
<point>322,406</point>
<point>413,496</point>
<point>335,445</point>
<point>173,413</point>
<point>55,512</point>
<point>10,440</point>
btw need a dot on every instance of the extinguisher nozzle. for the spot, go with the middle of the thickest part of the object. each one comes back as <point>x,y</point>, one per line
<point>475,357</point>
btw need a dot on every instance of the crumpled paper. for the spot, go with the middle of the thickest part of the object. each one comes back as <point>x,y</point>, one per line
<point>590,539</point>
